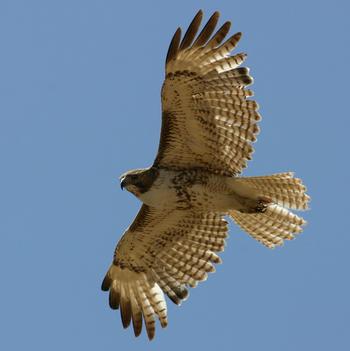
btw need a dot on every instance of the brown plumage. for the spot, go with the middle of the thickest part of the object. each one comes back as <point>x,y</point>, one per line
<point>209,123</point>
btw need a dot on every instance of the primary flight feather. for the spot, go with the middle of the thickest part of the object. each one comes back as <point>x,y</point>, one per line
<point>209,124</point>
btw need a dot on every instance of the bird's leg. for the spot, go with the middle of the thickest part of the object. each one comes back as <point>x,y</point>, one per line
<point>254,205</point>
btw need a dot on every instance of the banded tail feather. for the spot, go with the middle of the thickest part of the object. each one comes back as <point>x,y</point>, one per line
<point>274,225</point>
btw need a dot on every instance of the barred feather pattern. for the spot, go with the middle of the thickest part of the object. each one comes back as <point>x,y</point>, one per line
<point>277,223</point>
<point>207,120</point>
<point>163,251</point>
<point>281,188</point>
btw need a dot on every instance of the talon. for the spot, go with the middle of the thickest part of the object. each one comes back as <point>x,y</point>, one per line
<point>262,205</point>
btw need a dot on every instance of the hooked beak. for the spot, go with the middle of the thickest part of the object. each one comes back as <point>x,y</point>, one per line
<point>122,184</point>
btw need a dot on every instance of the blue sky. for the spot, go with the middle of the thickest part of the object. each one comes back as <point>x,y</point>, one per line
<point>80,104</point>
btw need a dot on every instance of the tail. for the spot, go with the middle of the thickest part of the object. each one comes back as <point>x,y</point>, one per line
<point>276,223</point>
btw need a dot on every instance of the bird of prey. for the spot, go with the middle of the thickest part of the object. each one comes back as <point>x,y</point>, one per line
<point>209,123</point>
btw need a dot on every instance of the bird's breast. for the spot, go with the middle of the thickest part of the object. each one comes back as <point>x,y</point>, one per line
<point>179,189</point>
<point>160,194</point>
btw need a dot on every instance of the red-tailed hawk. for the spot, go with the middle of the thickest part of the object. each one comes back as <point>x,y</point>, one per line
<point>209,124</point>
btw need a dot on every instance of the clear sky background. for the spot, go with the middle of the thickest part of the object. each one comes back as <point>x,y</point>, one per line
<point>80,104</point>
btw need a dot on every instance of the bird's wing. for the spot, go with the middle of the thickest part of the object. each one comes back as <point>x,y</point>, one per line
<point>163,251</point>
<point>207,120</point>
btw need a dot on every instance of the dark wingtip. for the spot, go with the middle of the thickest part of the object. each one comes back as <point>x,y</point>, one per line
<point>137,332</point>
<point>208,29</point>
<point>181,292</point>
<point>216,14</point>
<point>242,70</point>
<point>220,34</point>
<point>137,325</point>
<point>247,80</point>
<point>125,312</point>
<point>174,299</point>
<point>150,334</point>
<point>174,46</point>
<point>114,300</point>
<point>106,283</point>
<point>191,31</point>
<point>199,13</point>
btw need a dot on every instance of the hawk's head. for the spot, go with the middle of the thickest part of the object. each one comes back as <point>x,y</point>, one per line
<point>138,181</point>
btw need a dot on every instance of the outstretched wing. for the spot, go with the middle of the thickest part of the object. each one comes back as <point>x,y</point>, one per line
<point>207,120</point>
<point>163,251</point>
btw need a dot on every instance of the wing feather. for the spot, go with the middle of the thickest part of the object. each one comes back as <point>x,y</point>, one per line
<point>219,36</point>
<point>207,30</point>
<point>163,252</point>
<point>174,46</point>
<point>207,121</point>
<point>191,31</point>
